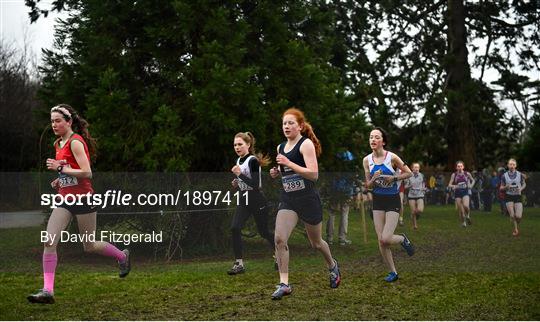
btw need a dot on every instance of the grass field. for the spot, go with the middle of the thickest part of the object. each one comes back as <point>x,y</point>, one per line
<point>476,273</point>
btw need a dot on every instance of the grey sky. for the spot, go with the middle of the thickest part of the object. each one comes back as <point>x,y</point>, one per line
<point>15,26</point>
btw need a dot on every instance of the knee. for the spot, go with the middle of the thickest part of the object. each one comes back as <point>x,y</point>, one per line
<point>385,241</point>
<point>280,242</point>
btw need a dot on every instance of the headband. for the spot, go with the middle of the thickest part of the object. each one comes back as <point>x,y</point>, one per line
<point>62,110</point>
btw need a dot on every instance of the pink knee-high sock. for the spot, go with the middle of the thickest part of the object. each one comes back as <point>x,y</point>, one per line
<point>49,268</point>
<point>112,251</point>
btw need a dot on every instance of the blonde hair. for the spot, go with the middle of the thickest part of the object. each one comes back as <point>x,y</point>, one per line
<point>248,137</point>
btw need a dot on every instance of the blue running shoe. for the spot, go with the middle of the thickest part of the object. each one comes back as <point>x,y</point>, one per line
<point>335,275</point>
<point>391,277</point>
<point>407,245</point>
<point>281,291</point>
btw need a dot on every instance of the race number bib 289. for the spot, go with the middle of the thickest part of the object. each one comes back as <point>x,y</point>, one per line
<point>65,180</point>
<point>293,182</point>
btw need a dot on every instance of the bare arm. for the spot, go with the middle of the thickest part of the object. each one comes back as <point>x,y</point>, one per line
<point>274,171</point>
<point>367,174</point>
<point>80,156</point>
<point>450,185</point>
<point>471,180</point>
<point>405,171</point>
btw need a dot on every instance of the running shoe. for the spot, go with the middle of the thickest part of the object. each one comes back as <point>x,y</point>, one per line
<point>42,296</point>
<point>335,275</point>
<point>281,291</point>
<point>464,224</point>
<point>345,242</point>
<point>125,266</point>
<point>407,245</point>
<point>468,219</point>
<point>515,233</point>
<point>391,277</point>
<point>236,269</point>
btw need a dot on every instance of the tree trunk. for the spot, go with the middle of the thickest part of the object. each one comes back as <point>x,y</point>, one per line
<point>459,131</point>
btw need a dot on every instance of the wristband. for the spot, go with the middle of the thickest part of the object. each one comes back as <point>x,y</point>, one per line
<point>60,168</point>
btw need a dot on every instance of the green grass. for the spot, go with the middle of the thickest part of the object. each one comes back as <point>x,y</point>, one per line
<point>477,273</point>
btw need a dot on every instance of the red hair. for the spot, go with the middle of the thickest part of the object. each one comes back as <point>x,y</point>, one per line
<point>307,130</point>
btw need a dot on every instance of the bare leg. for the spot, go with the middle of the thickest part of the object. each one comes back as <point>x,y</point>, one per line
<point>412,204</point>
<point>314,233</point>
<point>285,222</point>
<point>518,213</point>
<point>87,226</point>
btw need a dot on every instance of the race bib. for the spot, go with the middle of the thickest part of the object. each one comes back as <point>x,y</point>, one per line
<point>381,183</point>
<point>416,193</point>
<point>293,182</point>
<point>65,180</point>
<point>513,190</point>
<point>243,186</point>
<point>462,185</point>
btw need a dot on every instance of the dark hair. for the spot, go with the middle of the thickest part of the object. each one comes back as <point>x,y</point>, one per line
<point>384,134</point>
<point>79,126</point>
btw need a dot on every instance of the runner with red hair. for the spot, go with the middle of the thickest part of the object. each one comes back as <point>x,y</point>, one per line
<point>297,160</point>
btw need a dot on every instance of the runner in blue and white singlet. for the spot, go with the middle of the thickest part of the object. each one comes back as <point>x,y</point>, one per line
<point>380,170</point>
<point>513,183</point>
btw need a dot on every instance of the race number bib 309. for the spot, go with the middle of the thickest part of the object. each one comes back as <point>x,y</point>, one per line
<point>65,180</point>
<point>293,182</point>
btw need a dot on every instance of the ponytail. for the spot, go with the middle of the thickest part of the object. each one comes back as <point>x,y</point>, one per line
<point>308,132</point>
